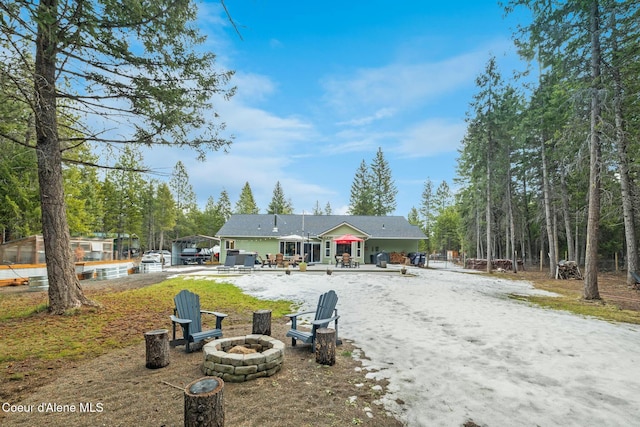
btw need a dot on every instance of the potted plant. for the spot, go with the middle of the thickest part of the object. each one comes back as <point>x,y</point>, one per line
<point>303,266</point>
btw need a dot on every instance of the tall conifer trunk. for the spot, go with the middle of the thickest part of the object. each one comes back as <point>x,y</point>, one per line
<point>64,287</point>
<point>548,212</point>
<point>488,211</point>
<point>590,290</point>
<point>622,146</point>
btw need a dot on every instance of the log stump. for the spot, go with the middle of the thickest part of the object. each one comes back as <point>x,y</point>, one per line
<point>261,322</point>
<point>326,346</point>
<point>157,348</point>
<point>204,403</point>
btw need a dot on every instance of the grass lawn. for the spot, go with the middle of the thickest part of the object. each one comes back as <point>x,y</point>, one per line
<point>31,339</point>
<point>618,303</point>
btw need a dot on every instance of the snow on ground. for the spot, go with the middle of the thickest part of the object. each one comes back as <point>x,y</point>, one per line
<point>455,348</point>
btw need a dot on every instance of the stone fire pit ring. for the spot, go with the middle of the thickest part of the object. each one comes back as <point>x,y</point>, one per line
<point>243,367</point>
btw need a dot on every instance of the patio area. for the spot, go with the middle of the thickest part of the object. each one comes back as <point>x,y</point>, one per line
<point>311,269</point>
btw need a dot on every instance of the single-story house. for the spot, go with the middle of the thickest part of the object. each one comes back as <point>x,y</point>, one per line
<point>317,236</point>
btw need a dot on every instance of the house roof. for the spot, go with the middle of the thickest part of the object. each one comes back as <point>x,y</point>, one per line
<point>269,225</point>
<point>192,240</point>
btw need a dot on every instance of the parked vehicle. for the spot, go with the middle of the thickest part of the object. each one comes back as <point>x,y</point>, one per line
<point>195,255</point>
<point>157,256</point>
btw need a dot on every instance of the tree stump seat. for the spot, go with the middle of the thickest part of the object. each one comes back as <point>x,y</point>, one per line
<point>326,346</point>
<point>157,348</point>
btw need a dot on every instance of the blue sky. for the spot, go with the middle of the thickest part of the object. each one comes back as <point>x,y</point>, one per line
<point>322,85</point>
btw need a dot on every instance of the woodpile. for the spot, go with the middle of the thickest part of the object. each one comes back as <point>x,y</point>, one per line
<point>568,270</point>
<point>503,264</point>
<point>397,257</point>
<point>476,264</point>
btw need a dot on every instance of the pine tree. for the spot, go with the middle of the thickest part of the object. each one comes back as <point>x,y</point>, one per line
<point>246,204</point>
<point>223,207</point>
<point>327,209</point>
<point>279,204</point>
<point>141,65</point>
<point>185,199</point>
<point>165,212</point>
<point>383,187</point>
<point>212,218</point>
<point>361,199</point>
<point>442,199</point>
<point>316,209</point>
<point>413,217</point>
<point>426,210</point>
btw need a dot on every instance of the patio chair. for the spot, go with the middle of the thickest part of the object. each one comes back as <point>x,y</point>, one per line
<point>187,314</point>
<point>272,260</point>
<point>297,259</point>
<point>249,263</point>
<point>325,313</point>
<point>229,264</point>
<point>279,260</point>
<point>263,261</point>
<point>346,260</point>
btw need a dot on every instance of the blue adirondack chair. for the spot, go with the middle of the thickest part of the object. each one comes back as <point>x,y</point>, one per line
<point>325,313</point>
<point>187,314</point>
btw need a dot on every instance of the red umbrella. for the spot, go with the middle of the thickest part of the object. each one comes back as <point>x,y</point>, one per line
<point>347,238</point>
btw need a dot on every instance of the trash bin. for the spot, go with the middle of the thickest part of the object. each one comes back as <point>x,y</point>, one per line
<point>412,257</point>
<point>382,258</point>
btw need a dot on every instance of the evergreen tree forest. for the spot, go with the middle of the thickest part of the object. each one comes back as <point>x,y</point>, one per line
<point>547,169</point>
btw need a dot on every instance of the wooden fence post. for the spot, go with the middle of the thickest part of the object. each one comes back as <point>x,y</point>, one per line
<point>204,403</point>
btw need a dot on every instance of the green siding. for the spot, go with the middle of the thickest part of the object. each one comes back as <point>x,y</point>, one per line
<point>261,246</point>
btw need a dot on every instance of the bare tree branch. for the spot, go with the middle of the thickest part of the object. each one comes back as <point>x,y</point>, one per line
<point>235,27</point>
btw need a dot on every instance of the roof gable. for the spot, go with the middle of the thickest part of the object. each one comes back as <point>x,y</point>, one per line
<point>344,228</point>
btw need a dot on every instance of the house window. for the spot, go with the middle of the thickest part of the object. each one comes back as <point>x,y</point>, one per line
<point>289,248</point>
<point>327,248</point>
<point>230,244</point>
<point>358,249</point>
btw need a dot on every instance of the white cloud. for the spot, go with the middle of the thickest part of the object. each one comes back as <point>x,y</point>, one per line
<point>431,137</point>
<point>260,131</point>
<point>252,87</point>
<point>352,141</point>
<point>401,84</point>
<point>275,43</point>
<point>382,113</point>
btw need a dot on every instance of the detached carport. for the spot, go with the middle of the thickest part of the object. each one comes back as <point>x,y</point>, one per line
<point>195,241</point>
